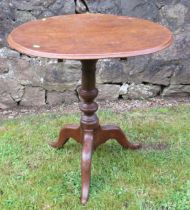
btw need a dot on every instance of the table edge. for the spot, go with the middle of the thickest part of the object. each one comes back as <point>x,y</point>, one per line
<point>35,53</point>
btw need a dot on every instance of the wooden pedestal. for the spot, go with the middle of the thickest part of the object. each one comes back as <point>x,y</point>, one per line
<point>89,133</point>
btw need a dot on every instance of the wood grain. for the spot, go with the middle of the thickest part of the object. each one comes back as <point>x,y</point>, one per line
<point>89,36</point>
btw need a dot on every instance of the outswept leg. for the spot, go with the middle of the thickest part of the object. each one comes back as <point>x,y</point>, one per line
<point>114,132</point>
<point>86,159</point>
<point>68,131</point>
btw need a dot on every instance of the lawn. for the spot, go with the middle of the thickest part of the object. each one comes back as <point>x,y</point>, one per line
<point>157,177</point>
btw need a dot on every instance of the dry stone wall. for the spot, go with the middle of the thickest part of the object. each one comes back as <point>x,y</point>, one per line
<point>31,81</point>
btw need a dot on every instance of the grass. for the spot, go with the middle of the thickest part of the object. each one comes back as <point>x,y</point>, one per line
<point>157,177</point>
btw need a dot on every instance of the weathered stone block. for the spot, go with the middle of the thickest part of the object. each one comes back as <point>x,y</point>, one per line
<point>57,98</point>
<point>106,6</point>
<point>62,76</point>
<point>4,69</point>
<point>6,101</point>
<point>173,15</point>
<point>140,8</point>
<point>181,74</point>
<point>33,96</point>
<point>26,73</point>
<point>141,91</point>
<point>110,71</point>
<point>134,68</point>
<point>108,92</point>
<point>24,16</point>
<point>159,73</point>
<point>8,53</point>
<point>177,91</point>
<point>62,7</point>
<point>11,92</point>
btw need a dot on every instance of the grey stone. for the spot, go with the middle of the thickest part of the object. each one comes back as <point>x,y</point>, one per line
<point>110,71</point>
<point>8,53</point>
<point>177,91</point>
<point>46,14</point>
<point>68,7</point>
<point>173,15</point>
<point>158,72</point>
<point>134,69</point>
<point>62,76</point>
<point>62,7</point>
<point>141,91</point>
<point>27,73</point>
<point>3,66</point>
<point>108,92</point>
<point>7,17</point>
<point>33,96</point>
<point>106,6</point>
<point>6,101</point>
<point>25,5</point>
<point>57,98</point>
<point>4,106</point>
<point>17,91</point>
<point>140,8</point>
<point>124,89</point>
<point>10,93</point>
<point>181,74</point>
<point>6,10</point>
<point>56,6</point>
<point>24,16</point>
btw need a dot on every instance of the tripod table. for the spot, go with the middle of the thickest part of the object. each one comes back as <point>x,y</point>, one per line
<point>89,37</point>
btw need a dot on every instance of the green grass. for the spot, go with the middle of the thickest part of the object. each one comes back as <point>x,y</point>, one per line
<point>157,177</point>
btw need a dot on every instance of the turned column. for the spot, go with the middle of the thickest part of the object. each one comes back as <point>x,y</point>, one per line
<point>88,92</point>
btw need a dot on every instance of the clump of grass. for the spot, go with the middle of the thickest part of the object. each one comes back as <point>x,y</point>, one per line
<point>35,176</point>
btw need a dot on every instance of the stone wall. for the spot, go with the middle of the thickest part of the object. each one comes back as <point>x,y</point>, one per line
<point>30,81</point>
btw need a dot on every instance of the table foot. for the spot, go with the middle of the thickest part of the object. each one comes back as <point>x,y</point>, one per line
<point>114,132</point>
<point>68,131</point>
<point>88,140</point>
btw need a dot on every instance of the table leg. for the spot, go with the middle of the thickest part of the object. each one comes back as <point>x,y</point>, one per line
<point>86,159</point>
<point>114,132</point>
<point>90,134</point>
<point>68,131</point>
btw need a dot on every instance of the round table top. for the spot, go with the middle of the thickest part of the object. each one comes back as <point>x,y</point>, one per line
<point>89,36</point>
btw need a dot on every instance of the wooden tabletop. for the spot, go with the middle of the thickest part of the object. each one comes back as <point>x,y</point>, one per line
<point>89,36</point>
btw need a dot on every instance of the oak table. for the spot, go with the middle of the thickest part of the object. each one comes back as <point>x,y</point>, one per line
<point>89,37</point>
